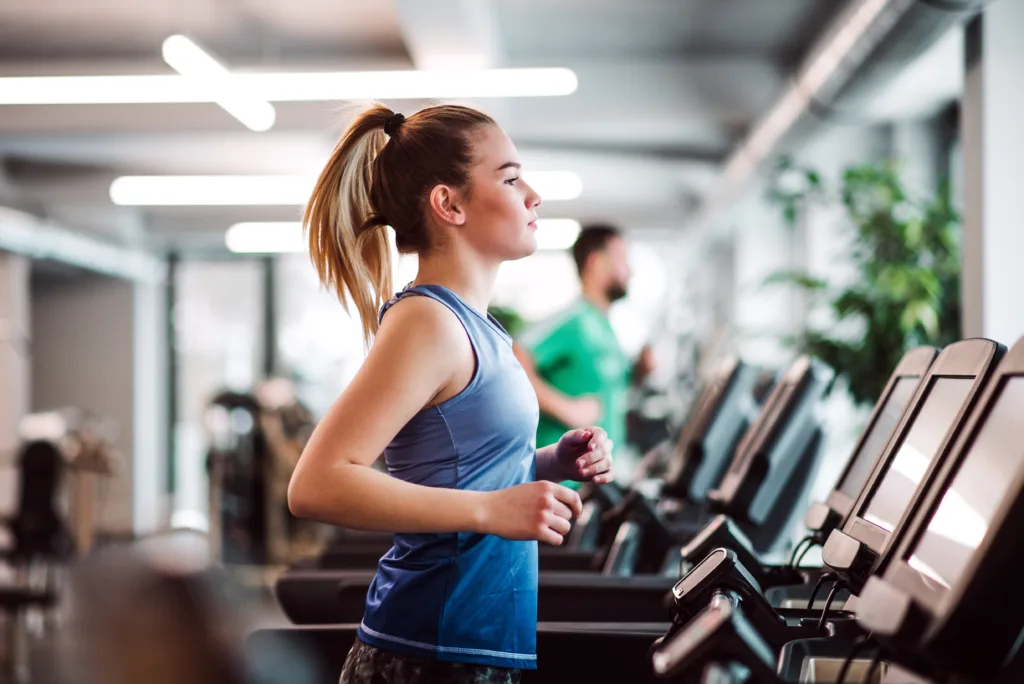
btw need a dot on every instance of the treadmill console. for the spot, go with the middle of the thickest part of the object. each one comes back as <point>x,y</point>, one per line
<point>887,612</point>
<point>721,533</point>
<point>720,633</point>
<point>850,559</point>
<point>822,518</point>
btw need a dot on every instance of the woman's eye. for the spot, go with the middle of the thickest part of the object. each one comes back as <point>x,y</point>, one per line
<point>512,181</point>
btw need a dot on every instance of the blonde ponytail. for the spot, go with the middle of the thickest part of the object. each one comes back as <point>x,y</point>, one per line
<point>348,242</point>
<point>372,181</point>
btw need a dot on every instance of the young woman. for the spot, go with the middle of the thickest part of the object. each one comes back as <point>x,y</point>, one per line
<point>441,394</point>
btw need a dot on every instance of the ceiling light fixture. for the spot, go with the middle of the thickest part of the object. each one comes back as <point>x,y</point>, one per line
<point>206,73</point>
<point>292,87</point>
<point>269,237</point>
<point>276,190</point>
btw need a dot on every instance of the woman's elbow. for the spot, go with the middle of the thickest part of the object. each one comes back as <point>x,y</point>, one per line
<point>299,503</point>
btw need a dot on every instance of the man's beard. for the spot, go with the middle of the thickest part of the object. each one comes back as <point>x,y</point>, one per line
<point>615,292</point>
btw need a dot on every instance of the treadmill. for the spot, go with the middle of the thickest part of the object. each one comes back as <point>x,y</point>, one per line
<point>950,603</point>
<point>722,611</point>
<point>712,434</point>
<point>702,452</point>
<point>624,649</point>
<point>912,460</point>
<point>729,637</point>
<point>823,517</point>
<point>769,475</point>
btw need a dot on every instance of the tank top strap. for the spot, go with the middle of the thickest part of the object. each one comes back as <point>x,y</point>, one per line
<point>472,320</point>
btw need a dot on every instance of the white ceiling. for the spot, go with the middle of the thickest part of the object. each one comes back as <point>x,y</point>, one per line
<point>666,89</point>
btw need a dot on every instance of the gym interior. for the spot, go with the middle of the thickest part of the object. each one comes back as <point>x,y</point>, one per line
<point>821,471</point>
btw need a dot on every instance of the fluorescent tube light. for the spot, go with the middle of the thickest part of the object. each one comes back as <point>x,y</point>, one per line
<point>277,237</point>
<point>276,190</point>
<point>269,237</point>
<point>292,87</point>
<point>202,69</point>
<point>211,190</point>
<point>555,234</point>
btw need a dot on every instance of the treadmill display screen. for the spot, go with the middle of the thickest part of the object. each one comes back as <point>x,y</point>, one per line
<point>888,417</point>
<point>959,524</point>
<point>698,424</point>
<point>905,472</point>
<point>764,424</point>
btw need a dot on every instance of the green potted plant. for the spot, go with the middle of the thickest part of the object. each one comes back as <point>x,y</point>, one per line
<point>906,252</point>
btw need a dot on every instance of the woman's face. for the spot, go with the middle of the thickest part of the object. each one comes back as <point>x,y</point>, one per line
<point>498,209</point>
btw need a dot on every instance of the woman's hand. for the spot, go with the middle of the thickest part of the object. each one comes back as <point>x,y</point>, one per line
<point>538,511</point>
<point>585,455</point>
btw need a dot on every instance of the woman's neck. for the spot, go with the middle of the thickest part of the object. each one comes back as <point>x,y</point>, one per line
<point>466,275</point>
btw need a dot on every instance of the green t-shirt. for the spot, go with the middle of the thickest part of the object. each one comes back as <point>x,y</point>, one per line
<point>577,353</point>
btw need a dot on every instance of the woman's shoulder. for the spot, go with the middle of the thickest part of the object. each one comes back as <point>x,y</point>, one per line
<point>423,320</point>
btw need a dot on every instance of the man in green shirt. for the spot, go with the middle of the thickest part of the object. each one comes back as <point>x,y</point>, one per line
<point>574,360</point>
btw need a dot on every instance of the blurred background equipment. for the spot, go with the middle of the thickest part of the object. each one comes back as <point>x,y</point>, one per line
<point>255,442</point>
<point>62,455</point>
<point>158,611</point>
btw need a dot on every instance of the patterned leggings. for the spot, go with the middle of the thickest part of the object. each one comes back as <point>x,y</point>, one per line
<point>368,665</point>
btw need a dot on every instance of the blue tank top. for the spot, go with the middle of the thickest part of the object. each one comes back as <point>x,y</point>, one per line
<point>463,597</point>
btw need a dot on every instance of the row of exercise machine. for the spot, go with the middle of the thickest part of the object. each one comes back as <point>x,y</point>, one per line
<point>919,540</point>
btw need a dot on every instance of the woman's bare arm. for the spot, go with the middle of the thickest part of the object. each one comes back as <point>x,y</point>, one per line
<point>417,351</point>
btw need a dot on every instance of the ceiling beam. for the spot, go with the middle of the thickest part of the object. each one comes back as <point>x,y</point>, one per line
<point>25,234</point>
<point>668,152</point>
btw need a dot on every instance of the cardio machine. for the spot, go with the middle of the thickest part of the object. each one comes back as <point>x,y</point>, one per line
<point>769,474</point>
<point>624,648</point>
<point>823,517</point>
<point>950,603</point>
<point>721,613</point>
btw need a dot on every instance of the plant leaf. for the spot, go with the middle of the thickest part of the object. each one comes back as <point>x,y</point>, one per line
<point>804,281</point>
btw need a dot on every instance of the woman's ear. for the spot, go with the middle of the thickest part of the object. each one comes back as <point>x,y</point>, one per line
<point>445,205</point>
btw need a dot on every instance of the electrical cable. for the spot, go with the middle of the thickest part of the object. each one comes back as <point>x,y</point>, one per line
<point>804,553</point>
<point>796,549</point>
<point>836,586</point>
<point>821,580</point>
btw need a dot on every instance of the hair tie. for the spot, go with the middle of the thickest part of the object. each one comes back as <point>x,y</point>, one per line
<point>373,222</point>
<point>392,125</point>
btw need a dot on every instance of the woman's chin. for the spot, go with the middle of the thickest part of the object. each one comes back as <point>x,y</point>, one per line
<point>527,247</point>
<point>530,248</point>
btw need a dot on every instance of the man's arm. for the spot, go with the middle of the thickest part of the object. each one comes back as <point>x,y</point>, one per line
<point>571,412</point>
<point>643,366</point>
